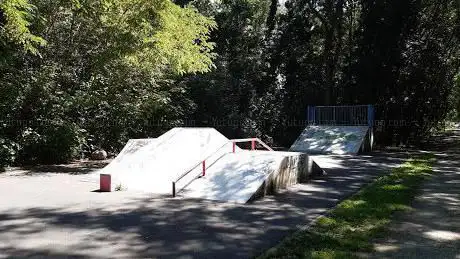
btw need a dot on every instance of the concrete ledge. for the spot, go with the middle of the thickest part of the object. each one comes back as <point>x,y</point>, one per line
<point>294,168</point>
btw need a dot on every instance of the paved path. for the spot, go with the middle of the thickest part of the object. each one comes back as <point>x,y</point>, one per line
<point>55,215</point>
<point>432,229</point>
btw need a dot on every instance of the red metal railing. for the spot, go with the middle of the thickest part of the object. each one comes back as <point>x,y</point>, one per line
<point>203,162</point>
<point>253,143</point>
<point>203,173</point>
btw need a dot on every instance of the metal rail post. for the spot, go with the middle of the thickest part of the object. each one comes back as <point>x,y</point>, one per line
<point>370,115</point>
<point>204,167</point>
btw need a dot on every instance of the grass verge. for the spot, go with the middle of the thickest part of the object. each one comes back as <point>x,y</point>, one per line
<point>351,226</point>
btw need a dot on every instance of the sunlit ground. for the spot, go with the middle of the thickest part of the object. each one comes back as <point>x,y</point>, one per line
<point>350,227</point>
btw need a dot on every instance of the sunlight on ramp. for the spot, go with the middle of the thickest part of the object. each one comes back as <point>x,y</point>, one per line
<point>154,166</point>
<point>238,177</point>
<point>331,139</point>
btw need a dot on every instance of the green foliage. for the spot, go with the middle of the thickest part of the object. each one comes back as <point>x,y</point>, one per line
<point>120,69</point>
<point>352,225</point>
<point>106,74</point>
<point>53,143</point>
<point>454,100</point>
<point>154,35</point>
<point>8,152</point>
<point>226,98</point>
<point>14,25</point>
<point>276,59</point>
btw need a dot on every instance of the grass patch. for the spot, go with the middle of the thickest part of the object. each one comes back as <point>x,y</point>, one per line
<point>351,226</point>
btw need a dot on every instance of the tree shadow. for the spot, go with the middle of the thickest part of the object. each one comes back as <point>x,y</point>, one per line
<point>432,228</point>
<point>144,227</point>
<point>330,139</point>
<point>73,168</point>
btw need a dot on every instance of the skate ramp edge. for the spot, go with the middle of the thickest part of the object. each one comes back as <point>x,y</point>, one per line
<point>295,168</point>
<point>125,155</point>
<point>248,175</point>
<point>152,168</point>
<point>338,140</point>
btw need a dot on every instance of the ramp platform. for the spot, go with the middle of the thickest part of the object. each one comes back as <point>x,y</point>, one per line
<point>244,176</point>
<point>129,151</point>
<point>202,163</point>
<point>331,139</point>
<point>152,167</point>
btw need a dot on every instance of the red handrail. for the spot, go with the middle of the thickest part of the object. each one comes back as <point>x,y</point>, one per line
<point>253,141</point>
<point>193,167</point>
<point>203,162</point>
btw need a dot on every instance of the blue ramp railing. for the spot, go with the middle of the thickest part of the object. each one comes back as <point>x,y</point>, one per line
<point>346,115</point>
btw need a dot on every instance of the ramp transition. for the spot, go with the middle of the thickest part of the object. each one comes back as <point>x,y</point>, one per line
<point>332,139</point>
<point>153,166</point>
<point>128,152</point>
<point>244,176</point>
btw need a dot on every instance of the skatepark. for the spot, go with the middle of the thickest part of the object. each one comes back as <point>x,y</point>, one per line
<point>229,129</point>
<point>189,193</point>
<point>202,163</point>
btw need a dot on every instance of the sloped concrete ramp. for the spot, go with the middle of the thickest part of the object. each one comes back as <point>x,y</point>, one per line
<point>152,165</point>
<point>331,139</point>
<point>129,151</point>
<point>155,165</point>
<point>247,175</point>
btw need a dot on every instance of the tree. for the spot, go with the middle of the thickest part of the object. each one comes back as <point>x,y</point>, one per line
<point>15,16</point>
<point>106,74</point>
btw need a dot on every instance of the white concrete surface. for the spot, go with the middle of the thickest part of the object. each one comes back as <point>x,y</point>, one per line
<point>154,166</point>
<point>129,152</point>
<point>330,139</point>
<point>237,176</point>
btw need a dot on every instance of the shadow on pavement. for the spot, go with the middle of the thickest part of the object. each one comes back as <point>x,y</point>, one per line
<point>432,229</point>
<point>182,228</point>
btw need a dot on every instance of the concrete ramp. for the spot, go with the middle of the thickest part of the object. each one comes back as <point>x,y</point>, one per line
<point>129,151</point>
<point>331,139</point>
<point>232,174</point>
<point>154,166</point>
<point>246,175</point>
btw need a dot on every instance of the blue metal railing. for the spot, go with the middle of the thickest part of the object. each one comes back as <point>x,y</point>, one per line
<point>346,115</point>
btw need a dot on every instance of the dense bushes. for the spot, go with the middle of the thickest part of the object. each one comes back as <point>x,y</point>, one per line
<point>276,59</point>
<point>8,152</point>
<point>81,75</point>
<point>53,143</point>
<point>106,74</point>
